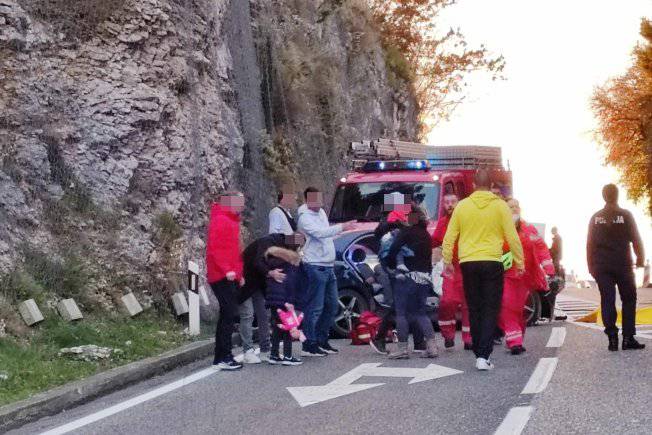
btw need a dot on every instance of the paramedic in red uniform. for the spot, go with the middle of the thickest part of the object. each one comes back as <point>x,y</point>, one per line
<point>538,264</point>
<point>453,289</point>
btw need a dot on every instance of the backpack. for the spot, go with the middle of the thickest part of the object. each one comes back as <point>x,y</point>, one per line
<point>365,329</point>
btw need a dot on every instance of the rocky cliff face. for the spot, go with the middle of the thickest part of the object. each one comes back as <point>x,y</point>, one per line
<point>121,120</point>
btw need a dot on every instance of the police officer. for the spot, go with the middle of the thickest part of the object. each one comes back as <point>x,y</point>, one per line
<point>611,230</point>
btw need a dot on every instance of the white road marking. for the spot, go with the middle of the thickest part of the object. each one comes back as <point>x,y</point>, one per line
<point>557,337</point>
<point>92,418</point>
<point>541,376</point>
<point>515,421</point>
<point>644,334</point>
<point>309,395</point>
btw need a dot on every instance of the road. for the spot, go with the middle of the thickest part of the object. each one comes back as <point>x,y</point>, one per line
<point>590,390</point>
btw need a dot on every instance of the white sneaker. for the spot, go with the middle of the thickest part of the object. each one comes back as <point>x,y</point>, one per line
<point>483,364</point>
<point>250,357</point>
<point>264,356</point>
<point>239,357</point>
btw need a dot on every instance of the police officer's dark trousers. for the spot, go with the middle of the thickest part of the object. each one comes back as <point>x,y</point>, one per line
<point>607,279</point>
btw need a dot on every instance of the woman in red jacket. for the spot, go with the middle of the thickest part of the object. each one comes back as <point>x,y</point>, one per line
<point>224,271</point>
<point>538,264</point>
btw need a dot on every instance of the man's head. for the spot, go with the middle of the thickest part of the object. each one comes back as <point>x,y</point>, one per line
<point>314,199</point>
<point>232,200</point>
<point>286,197</point>
<point>295,240</point>
<point>482,180</point>
<point>515,206</point>
<point>610,194</point>
<point>450,202</point>
<point>554,231</point>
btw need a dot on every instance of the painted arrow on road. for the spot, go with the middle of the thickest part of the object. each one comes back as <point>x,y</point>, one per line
<point>343,385</point>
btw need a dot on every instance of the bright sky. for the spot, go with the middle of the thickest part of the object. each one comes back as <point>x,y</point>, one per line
<point>557,51</point>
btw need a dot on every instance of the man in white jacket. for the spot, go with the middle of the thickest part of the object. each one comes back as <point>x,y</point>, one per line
<point>320,301</point>
<point>280,217</point>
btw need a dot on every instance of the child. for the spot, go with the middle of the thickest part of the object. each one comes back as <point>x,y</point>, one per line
<point>396,220</point>
<point>277,295</point>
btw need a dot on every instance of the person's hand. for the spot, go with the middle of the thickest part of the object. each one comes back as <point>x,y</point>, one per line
<point>449,270</point>
<point>436,255</point>
<point>348,225</point>
<point>242,282</point>
<point>277,275</point>
<point>230,276</point>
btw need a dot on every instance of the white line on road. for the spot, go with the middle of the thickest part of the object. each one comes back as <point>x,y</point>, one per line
<point>541,376</point>
<point>130,403</point>
<point>557,337</point>
<point>515,421</point>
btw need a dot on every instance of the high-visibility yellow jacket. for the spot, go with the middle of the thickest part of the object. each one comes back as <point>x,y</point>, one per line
<point>481,224</point>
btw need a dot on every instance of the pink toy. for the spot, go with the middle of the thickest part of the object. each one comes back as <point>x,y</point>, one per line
<point>290,321</point>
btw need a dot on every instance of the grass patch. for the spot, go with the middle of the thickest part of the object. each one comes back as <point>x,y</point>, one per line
<point>34,367</point>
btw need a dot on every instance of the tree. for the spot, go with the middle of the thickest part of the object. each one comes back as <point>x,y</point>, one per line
<point>436,62</point>
<point>623,107</point>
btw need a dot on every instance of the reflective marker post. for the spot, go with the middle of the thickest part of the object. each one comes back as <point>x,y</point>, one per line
<point>193,298</point>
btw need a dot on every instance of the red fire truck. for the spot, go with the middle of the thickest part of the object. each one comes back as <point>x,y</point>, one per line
<point>378,168</point>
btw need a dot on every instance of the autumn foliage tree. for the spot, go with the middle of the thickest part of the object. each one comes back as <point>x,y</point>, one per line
<point>623,107</point>
<point>434,60</point>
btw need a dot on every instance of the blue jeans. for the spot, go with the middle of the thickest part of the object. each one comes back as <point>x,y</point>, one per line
<point>410,302</point>
<point>320,303</point>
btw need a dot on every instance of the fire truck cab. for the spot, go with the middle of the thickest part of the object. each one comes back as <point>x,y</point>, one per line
<point>426,173</point>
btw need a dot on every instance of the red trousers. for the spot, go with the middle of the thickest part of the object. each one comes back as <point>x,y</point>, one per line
<point>511,319</point>
<point>451,301</point>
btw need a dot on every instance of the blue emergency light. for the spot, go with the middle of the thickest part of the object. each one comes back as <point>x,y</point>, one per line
<point>396,165</point>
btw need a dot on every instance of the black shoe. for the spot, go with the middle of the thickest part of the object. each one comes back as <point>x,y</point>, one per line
<point>228,365</point>
<point>613,343</point>
<point>291,361</point>
<point>379,346</point>
<point>312,350</point>
<point>275,360</point>
<point>448,343</point>
<point>468,346</point>
<point>630,343</point>
<point>326,347</point>
<point>517,350</point>
<point>419,347</point>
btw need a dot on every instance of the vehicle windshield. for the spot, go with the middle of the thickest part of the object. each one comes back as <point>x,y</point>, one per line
<point>364,201</point>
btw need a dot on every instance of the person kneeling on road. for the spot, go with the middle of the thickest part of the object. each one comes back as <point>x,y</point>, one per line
<point>281,290</point>
<point>320,302</point>
<point>411,293</point>
<point>517,287</point>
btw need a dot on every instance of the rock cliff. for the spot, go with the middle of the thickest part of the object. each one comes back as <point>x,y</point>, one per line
<point>121,120</point>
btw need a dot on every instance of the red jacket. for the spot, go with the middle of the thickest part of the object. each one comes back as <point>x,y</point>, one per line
<point>223,245</point>
<point>538,262</point>
<point>438,236</point>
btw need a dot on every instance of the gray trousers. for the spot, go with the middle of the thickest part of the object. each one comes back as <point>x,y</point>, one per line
<point>254,305</point>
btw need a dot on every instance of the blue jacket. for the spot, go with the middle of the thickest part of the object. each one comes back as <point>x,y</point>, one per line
<point>278,294</point>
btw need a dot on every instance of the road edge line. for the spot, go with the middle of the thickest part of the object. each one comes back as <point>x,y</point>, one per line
<point>76,393</point>
<point>557,337</point>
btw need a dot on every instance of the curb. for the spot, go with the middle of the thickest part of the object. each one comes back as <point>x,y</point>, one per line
<point>61,398</point>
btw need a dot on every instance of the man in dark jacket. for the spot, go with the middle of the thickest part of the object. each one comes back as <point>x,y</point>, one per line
<point>611,230</point>
<point>252,296</point>
<point>556,250</point>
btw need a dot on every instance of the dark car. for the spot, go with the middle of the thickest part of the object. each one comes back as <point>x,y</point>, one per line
<point>358,279</point>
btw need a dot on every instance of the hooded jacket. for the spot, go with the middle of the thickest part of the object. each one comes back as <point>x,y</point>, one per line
<point>480,224</point>
<point>319,248</point>
<point>538,262</point>
<point>280,293</point>
<point>255,267</point>
<point>223,245</point>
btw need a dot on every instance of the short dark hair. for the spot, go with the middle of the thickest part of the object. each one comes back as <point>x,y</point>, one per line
<point>482,178</point>
<point>610,193</point>
<point>308,190</point>
<point>279,196</point>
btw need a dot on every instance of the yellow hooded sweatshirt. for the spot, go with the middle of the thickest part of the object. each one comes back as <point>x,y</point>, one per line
<point>481,224</point>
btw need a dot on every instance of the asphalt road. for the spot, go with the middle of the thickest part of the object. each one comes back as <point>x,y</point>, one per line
<point>591,391</point>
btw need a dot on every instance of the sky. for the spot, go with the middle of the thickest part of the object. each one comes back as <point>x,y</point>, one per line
<point>556,51</point>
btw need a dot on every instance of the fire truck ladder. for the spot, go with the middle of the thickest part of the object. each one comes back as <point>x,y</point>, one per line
<point>438,157</point>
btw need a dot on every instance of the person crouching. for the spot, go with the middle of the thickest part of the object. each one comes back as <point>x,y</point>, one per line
<point>281,290</point>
